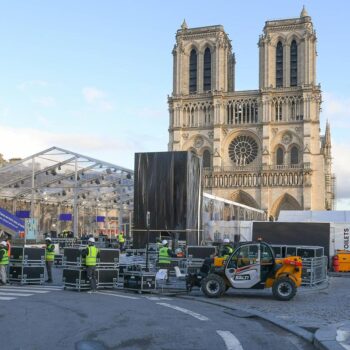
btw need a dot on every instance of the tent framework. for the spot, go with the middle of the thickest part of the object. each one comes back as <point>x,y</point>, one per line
<point>60,177</point>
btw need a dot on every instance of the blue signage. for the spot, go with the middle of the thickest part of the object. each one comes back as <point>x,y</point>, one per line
<point>100,219</point>
<point>23,214</point>
<point>11,221</point>
<point>65,217</point>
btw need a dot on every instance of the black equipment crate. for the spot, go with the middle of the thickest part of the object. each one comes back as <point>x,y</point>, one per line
<point>109,258</point>
<point>140,281</point>
<point>201,252</point>
<point>76,279</point>
<point>107,278</point>
<point>58,260</point>
<point>27,255</point>
<point>26,274</point>
<point>72,257</point>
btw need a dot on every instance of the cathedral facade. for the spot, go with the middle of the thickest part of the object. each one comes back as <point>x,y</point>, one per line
<point>261,147</point>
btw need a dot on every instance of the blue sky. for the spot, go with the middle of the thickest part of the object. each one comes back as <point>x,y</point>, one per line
<point>93,76</point>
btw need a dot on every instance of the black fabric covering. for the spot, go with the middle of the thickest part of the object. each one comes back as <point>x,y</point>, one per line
<point>167,185</point>
<point>293,233</point>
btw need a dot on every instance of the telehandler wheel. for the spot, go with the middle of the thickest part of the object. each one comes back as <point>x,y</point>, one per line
<point>284,289</point>
<point>213,286</point>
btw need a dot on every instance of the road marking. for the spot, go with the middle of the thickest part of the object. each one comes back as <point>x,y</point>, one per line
<point>231,342</point>
<point>34,288</point>
<point>16,294</point>
<point>117,295</point>
<point>6,298</point>
<point>158,298</point>
<point>25,290</point>
<point>185,311</point>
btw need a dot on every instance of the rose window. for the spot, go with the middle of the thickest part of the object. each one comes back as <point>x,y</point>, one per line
<point>243,150</point>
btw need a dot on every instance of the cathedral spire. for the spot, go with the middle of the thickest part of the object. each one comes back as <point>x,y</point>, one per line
<point>303,12</point>
<point>184,25</point>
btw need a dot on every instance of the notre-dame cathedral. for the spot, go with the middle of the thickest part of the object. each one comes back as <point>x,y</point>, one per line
<point>261,147</point>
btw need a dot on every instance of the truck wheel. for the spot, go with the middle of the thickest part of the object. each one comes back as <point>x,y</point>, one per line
<point>213,286</point>
<point>284,289</point>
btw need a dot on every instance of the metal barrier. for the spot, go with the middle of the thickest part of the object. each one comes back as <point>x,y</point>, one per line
<point>314,270</point>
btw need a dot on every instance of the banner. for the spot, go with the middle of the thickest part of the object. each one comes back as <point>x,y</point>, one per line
<point>31,228</point>
<point>65,217</point>
<point>23,214</point>
<point>11,221</point>
<point>100,218</point>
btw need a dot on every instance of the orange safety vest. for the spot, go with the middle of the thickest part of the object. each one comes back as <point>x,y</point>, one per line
<point>8,248</point>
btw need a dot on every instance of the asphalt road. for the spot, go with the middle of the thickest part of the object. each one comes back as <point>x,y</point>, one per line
<point>35,318</point>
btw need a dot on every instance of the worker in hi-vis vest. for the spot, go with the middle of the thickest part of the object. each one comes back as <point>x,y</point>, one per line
<point>91,254</point>
<point>4,261</point>
<point>49,258</point>
<point>121,240</point>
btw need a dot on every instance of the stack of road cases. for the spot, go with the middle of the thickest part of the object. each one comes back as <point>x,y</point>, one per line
<point>74,272</point>
<point>27,265</point>
<point>58,260</point>
<point>108,268</point>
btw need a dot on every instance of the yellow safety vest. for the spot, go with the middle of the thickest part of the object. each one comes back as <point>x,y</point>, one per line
<point>164,257</point>
<point>121,238</point>
<point>50,256</point>
<point>5,257</point>
<point>91,258</point>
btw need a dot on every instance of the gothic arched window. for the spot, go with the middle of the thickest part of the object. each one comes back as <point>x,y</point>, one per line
<point>206,159</point>
<point>293,64</point>
<point>193,71</point>
<point>279,65</point>
<point>294,155</point>
<point>279,156</point>
<point>207,70</point>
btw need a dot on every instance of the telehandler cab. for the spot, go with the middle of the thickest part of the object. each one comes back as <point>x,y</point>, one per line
<point>252,265</point>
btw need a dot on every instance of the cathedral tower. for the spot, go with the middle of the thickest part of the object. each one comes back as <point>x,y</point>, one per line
<point>259,147</point>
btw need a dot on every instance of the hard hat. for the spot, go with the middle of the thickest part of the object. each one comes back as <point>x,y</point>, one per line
<point>91,239</point>
<point>3,243</point>
<point>48,239</point>
<point>178,250</point>
<point>226,240</point>
<point>164,242</point>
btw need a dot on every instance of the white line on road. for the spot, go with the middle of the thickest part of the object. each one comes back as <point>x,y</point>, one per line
<point>188,312</point>
<point>49,289</point>
<point>117,295</point>
<point>16,294</point>
<point>6,298</point>
<point>231,342</point>
<point>25,290</point>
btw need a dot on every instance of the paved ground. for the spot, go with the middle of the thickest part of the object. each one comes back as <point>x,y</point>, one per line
<point>115,320</point>
<point>59,319</point>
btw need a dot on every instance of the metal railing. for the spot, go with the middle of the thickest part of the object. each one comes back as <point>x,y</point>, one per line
<point>314,270</point>
<point>257,168</point>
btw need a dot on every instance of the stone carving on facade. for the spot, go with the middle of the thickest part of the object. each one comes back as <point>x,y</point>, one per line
<point>185,135</point>
<point>265,151</point>
<point>210,134</point>
<point>198,142</point>
<point>216,153</point>
<point>298,129</point>
<point>287,138</point>
<point>306,148</point>
<point>274,131</point>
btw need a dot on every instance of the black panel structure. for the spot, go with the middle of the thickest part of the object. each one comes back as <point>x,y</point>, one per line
<point>168,185</point>
<point>72,257</point>
<point>294,233</point>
